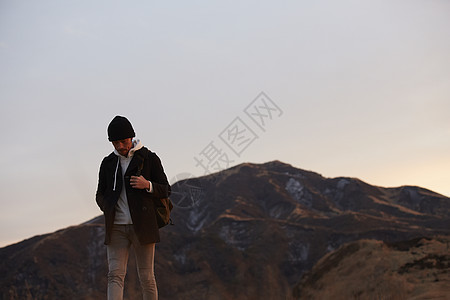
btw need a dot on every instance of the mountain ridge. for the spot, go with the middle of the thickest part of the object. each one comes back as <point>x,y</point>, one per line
<point>258,226</point>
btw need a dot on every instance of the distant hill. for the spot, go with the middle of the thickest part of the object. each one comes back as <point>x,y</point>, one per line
<point>368,269</point>
<point>248,232</point>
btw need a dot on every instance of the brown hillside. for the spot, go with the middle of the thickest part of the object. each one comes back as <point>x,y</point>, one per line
<point>368,269</point>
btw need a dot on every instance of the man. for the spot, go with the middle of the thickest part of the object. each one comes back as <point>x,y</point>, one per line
<point>129,179</point>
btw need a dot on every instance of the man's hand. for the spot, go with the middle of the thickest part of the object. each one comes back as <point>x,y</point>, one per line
<point>139,182</point>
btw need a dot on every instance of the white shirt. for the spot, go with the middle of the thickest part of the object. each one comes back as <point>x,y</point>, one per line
<point>123,215</point>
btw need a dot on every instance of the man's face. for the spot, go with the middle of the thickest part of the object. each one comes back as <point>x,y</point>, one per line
<point>123,146</point>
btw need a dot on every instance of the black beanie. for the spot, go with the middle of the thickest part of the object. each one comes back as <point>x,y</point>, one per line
<point>119,129</point>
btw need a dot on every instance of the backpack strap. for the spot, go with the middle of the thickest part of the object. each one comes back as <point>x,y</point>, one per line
<point>141,155</point>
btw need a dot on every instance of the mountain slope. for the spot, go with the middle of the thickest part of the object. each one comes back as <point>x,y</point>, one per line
<point>368,269</point>
<point>248,232</point>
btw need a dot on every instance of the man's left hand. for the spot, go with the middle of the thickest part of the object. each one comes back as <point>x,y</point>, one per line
<point>139,182</point>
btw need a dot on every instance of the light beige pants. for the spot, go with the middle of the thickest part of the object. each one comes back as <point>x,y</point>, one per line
<point>122,238</point>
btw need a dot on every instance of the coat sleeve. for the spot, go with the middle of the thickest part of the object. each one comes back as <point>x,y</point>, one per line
<point>101,187</point>
<point>161,187</point>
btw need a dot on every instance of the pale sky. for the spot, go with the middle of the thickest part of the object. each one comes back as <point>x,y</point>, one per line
<point>362,90</point>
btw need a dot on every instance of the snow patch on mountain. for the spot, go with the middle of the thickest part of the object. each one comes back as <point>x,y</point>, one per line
<point>198,216</point>
<point>298,192</point>
<point>342,183</point>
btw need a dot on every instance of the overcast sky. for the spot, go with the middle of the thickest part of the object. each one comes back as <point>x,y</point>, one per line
<point>351,88</point>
